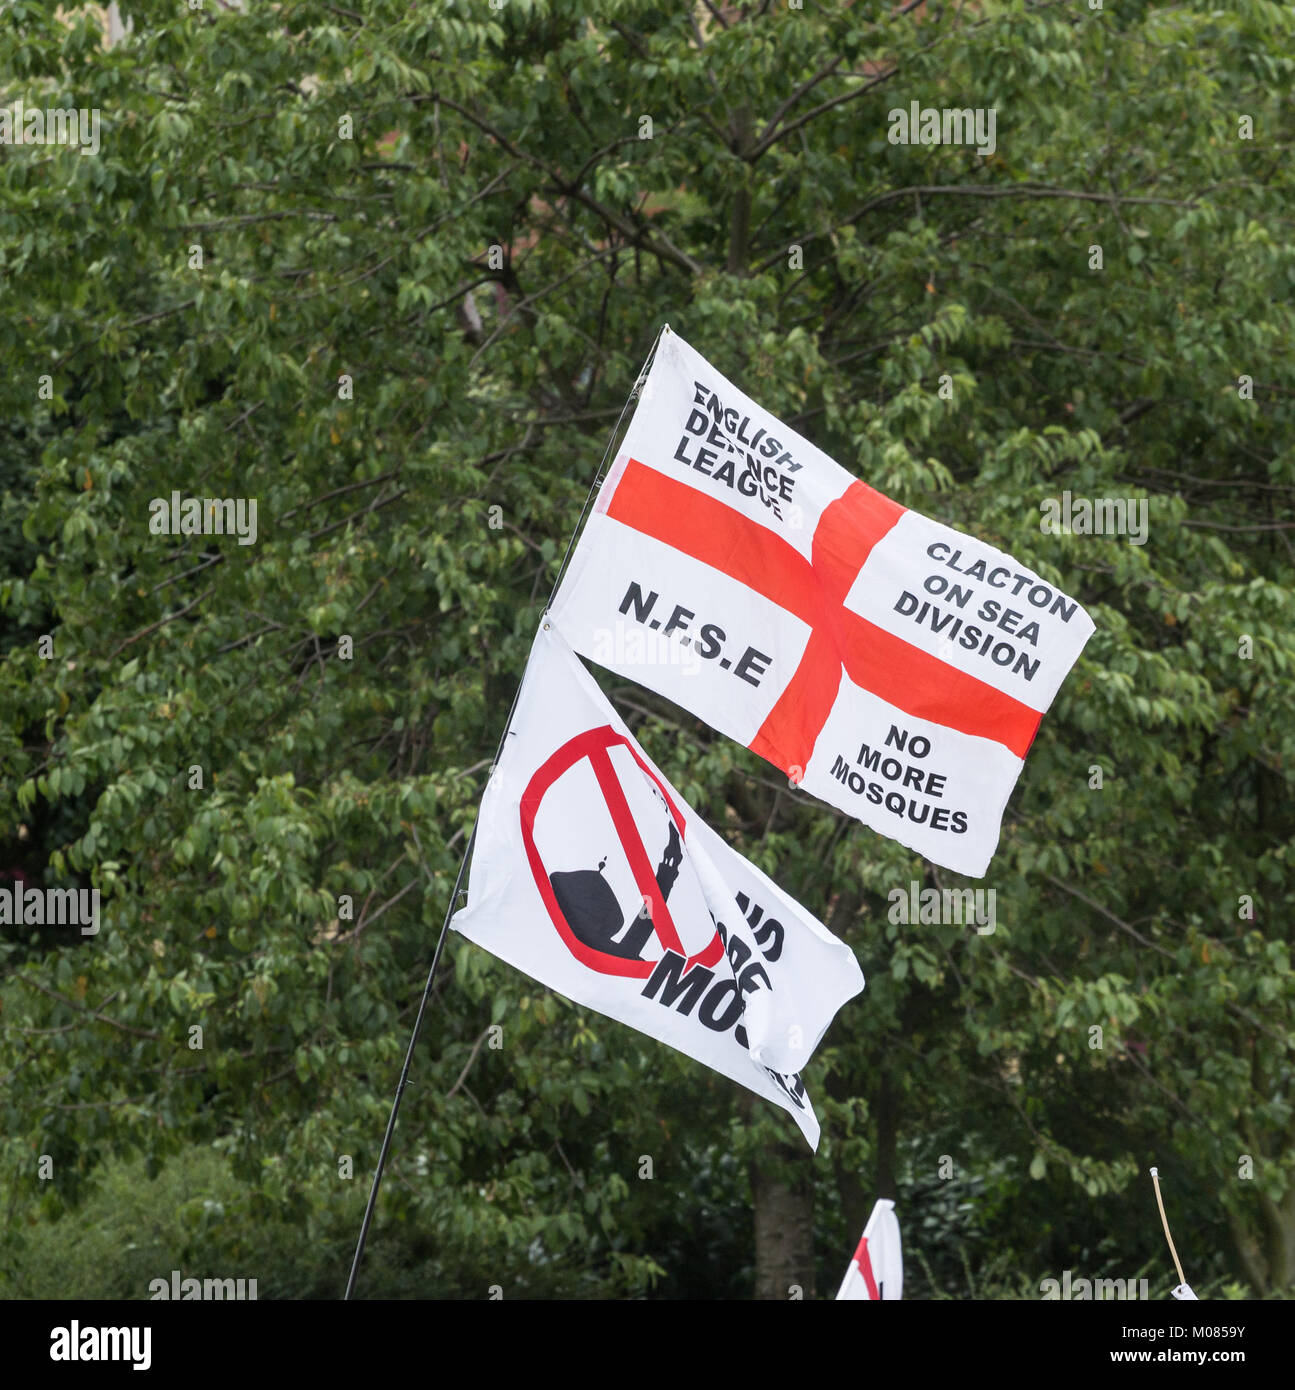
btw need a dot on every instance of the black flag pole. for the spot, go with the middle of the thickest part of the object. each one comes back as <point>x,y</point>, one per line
<point>467,851</point>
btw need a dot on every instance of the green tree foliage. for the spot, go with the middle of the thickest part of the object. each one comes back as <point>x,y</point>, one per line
<point>391,270</point>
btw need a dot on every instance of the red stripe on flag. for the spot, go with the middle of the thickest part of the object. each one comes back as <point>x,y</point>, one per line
<point>864,1262</point>
<point>846,533</point>
<point>717,535</point>
<point>903,675</point>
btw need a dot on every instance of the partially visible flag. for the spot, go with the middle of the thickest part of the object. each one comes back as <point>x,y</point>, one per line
<point>877,1268</point>
<point>890,665</point>
<point>594,876</point>
<point>1184,1294</point>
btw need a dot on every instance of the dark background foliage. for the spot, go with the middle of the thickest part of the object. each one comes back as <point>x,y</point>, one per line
<point>460,210</point>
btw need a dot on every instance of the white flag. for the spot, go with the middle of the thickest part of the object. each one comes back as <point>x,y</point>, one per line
<point>594,876</point>
<point>877,1267</point>
<point>890,665</point>
<point>1183,1293</point>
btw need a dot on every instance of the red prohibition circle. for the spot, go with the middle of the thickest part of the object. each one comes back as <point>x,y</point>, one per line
<point>595,744</point>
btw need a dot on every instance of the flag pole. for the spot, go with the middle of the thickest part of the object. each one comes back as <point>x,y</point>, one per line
<point>1155,1178</point>
<point>467,851</point>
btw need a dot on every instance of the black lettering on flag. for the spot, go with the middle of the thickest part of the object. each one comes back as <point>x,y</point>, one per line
<point>642,606</point>
<point>750,662</point>
<point>769,930</point>
<point>796,1091</point>
<point>686,988</point>
<point>708,644</point>
<point>710,1014</point>
<point>679,619</point>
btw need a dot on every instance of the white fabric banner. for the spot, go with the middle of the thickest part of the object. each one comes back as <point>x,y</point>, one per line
<point>877,1268</point>
<point>592,875</point>
<point>890,665</point>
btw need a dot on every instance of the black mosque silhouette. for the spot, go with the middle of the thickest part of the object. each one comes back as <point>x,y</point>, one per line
<point>589,904</point>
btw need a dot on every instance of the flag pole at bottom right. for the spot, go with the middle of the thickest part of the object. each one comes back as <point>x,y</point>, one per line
<point>1183,1291</point>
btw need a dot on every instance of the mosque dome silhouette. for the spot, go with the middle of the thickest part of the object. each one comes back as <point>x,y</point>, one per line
<point>589,904</point>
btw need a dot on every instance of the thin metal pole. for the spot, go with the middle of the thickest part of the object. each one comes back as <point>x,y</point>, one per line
<point>467,852</point>
<point>404,1071</point>
<point>598,477</point>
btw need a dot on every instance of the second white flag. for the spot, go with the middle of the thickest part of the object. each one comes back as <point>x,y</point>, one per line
<point>592,875</point>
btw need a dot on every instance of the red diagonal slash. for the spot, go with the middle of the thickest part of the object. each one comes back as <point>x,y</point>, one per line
<point>596,744</point>
<point>815,591</point>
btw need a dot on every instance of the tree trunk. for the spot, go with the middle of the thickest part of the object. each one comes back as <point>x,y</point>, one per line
<point>784,1231</point>
<point>886,1116</point>
<point>739,223</point>
<point>859,1194</point>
